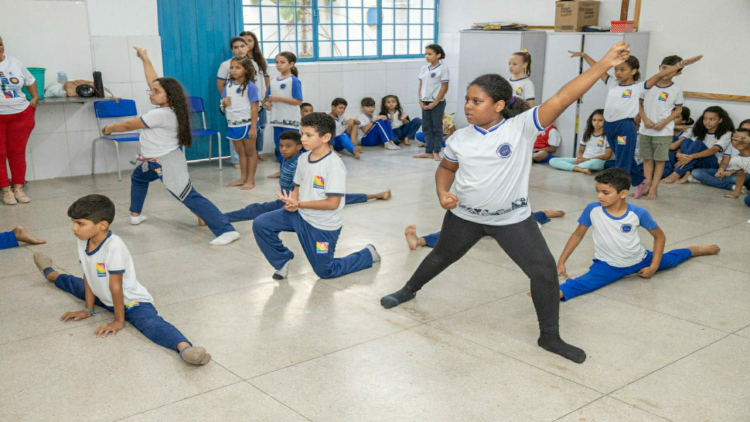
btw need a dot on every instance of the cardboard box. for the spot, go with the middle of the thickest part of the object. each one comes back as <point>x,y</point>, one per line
<point>572,16</point>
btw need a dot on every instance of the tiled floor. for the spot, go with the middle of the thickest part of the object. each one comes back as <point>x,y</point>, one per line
<point>675,347</point>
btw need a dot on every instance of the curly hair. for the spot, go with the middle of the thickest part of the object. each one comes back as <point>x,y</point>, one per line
<point>178,102</point>
<point>590,125</point>
<point>726,125</point>
<point>498,88</point>
<point>323,123</point>
<point>249,72</point>
<point>617,178</point>
<point>256,54</point>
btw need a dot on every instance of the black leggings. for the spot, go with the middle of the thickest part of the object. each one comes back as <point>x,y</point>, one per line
<point>523,242</point>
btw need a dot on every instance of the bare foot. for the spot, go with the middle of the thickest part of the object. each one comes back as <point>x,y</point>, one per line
<point>683,180</point>
<point>357,152</point>
<point>24,236</point>
<point>554,213</point>
<point>201,222</point>
<point>247,186</point>
<point>237,166</point>
<point>385,195</point>
<point>422,156</point>
<point>671,178</point>
<point>406,142</point>
<point>236,183</point>
<point>262,158</point>
<point>421,145</point>
<point>411,237</point>
<point>580,170</point>
<point>651,196</point>
<point>701,250</point>
<point>436,156</point>
<point>275,175</point>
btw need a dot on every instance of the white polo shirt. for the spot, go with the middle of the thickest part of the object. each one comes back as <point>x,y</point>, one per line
<point>340,125</point>
<point>13,77</point>
<point>622,100</point>
<point>658,103</point>
<point>260,77</point>
<point>616,240</point>
<point>740,162</point>
<point>432,80</point>
<point>595,147</point>
<point>523,88</point>
<point>111,257</point>
<point>282,114</point>
<point>317,180</point>
<point>239,111</point>
<point>724,143</point>
<point>492,181</point>
<point>160,136</point>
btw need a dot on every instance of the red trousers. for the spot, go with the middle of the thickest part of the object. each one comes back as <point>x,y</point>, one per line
<point>14,135</point>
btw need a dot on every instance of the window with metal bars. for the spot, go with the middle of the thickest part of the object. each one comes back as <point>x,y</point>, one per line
<point>343,29</point>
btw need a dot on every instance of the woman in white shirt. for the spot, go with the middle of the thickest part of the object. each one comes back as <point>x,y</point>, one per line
<point>16,124</point>
<point>163,131</point>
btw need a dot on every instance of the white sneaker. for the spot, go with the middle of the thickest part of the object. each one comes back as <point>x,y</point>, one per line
<point>374,253</point>
<point>390,145</point>
<point>137,220</point>
<point>282,272</point>
<point>225,239</point>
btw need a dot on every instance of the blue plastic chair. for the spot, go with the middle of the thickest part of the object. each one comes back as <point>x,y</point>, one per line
<point>196,106</point>
<point>111,109</point>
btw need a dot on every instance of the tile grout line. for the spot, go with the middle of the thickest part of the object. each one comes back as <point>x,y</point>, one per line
<point>275,399</point>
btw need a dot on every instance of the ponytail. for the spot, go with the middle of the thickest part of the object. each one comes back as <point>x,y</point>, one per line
<point>295,72</point>
<point>633,62</point>
<point>498,88</point>
<point>514,107</point>
<point>291,58</point>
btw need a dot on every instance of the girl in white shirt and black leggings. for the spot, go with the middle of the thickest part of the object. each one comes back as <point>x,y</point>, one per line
<point>483,181</point>
<point>164,130</point>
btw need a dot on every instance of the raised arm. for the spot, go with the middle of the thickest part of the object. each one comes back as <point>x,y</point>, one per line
<point>552,108</point>
<point>591,62</point>
<point>148,67</point>
<point>671,70</point>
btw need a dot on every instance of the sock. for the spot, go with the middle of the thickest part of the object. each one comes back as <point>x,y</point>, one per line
<point>225,239</point>
<point>47,271</point>
<point>551,342</point>
<point>395,299</point>
<point>282,272</point>
<point>374,253</point>
<point>195,355</point>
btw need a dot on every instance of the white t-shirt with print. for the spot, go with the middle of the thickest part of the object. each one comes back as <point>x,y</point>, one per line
<point>724,143</point>
<point>595,147</point>
<point>658,104</point>
<point>523,88</point>
<point>317,180</point>
<point>111,257</point>
<point>282,114</point>
<point>616,239</point>
<point>396,122</point>
<point>160,136</point>
<point>432,80</point>
<point>239,111</point>
<point>623,101</point>
<point>492,181</point>
<point>260,77</point>
<point>340,125</point>
<point>13,77</point>
<point>364,120</point>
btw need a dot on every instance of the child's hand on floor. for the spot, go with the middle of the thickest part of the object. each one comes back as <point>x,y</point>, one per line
<point>78,315</point>
<point>561,270</point>
<point>111,328</point>
<point>647,272</point>
<point>448,201</point>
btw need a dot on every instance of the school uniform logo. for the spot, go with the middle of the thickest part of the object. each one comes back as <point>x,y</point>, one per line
<point>626,228</point>
<point>321,247</point>
<point>663,96</point>
<point>627,93</point>
<point>433,74</point>
<point>519,91</point>
<point>282,86</point>
<point>101,270</point>
<point>600,142</point>
<point>622,140</point>
<point>158,171</point>
<point>318,182</point>
<point>505,151</point>
<point>14,80</point>
<point>131,305</point>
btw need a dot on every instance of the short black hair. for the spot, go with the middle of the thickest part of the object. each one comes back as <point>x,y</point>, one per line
<point>323,123</point>
<point>437,49</point>
<point>671,60</point>
<point>368,102</point>
<point>743,130</point>
<point>617,178</point>
<point>96,208</point>
<point>339,101</point>
<point>303,105</point>
<point>291,135</point>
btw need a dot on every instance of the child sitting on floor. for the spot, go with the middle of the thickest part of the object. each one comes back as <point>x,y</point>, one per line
<point>403,127</point>
<point>374,130</point>
<point>593,151</point>
<point>741,143</point>
<point>618,250</point>
<point>546,145</point>
<point>109,281</point>
<point>346,130</point>
<point>290,144</point>
<point>449,128</point>
<point>313,210</point>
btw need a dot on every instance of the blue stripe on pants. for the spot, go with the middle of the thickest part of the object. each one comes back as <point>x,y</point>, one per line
<point>8,240</point>
<point>432,126</point>
<point>202,207</point>
<point>624,152</point>
<point>600,273</point>
<point>432,239</point>
<point>343,142</point>
<point>408,130</point>
<point>143,316</point>
<point>277,131</point>
<point>319,245</point>
<point>379,133</point>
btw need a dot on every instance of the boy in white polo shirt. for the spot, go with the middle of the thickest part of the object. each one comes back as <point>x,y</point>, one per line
<point>616,241</point>
<point>109,281</point>
<point>660,106</point>
<point>313,209</point>
<point>741,143</point>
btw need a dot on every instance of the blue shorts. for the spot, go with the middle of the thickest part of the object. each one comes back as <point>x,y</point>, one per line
<point>546,160</point>
<point>237,133</point>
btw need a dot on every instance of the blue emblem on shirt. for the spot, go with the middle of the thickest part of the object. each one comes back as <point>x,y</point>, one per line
<point>626,228</point>
<point>283,86</point>
<point>433,74</point>
<point>239,91</point>
<point>505,150</point>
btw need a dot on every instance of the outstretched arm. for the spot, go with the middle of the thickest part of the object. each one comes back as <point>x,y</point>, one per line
<point>148,67</point>
<point>671,70</point>
<point>552,108</point>
<point>591,62</point>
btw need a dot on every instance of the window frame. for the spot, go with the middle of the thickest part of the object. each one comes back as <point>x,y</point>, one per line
<point>315,13</point>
